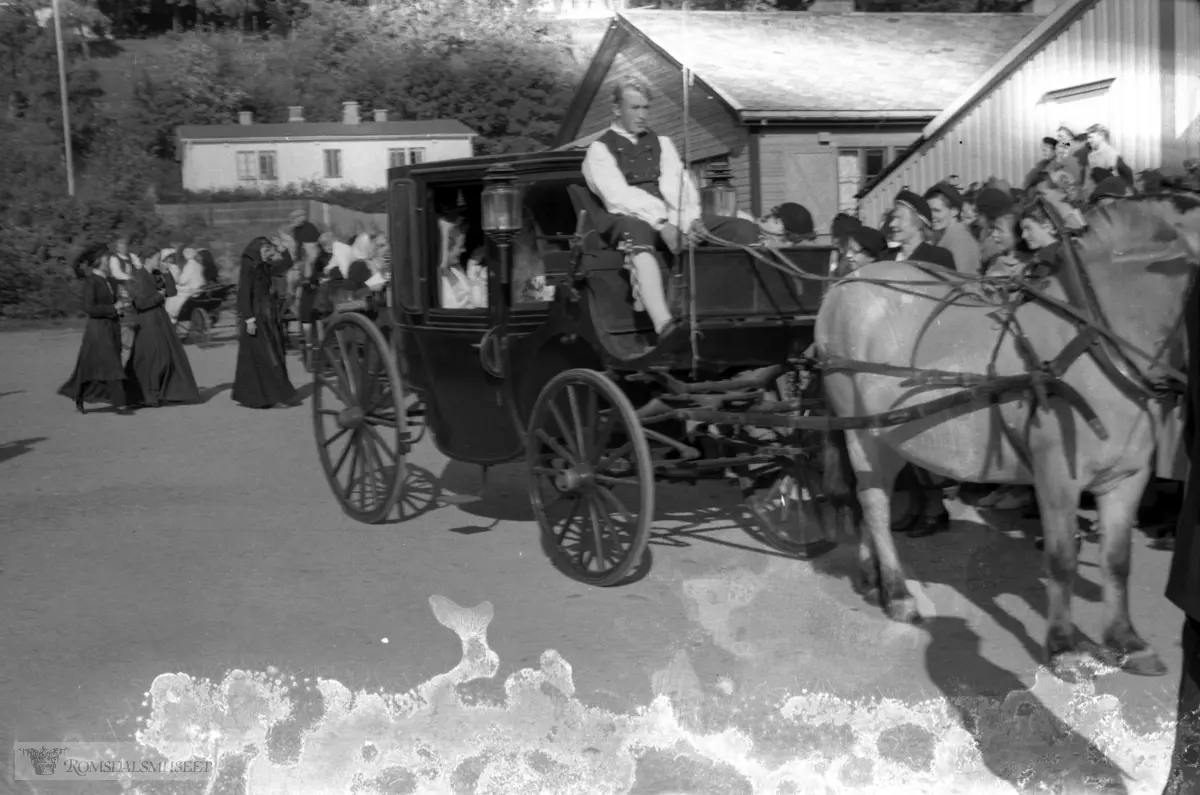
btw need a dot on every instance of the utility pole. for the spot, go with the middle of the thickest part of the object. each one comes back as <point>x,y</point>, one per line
<point>62,90</point>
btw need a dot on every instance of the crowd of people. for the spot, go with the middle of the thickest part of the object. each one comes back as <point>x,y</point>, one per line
<point>992,228</point>
<point>287,276</point>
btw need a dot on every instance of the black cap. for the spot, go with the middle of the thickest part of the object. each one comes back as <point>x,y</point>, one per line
<point>796,219</point>
<point>992,203</point>
<point>1049,141</point>
<point>919,205</point>
<point>948,192</point>
<point>870,240</point>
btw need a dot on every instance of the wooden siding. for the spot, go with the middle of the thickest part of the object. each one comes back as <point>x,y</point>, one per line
<point>712,130</point>
<point>796,167</point>
<point>1186,139</point>
<point>1000,135</point>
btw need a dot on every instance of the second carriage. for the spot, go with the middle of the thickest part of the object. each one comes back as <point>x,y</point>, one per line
<point>577,385</point>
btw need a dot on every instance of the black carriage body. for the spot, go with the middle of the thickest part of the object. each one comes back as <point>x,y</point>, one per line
<point>749,314</point>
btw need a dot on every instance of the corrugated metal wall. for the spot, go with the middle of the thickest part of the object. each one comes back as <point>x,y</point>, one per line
<point>1187,79</point>
<point>1000,136</point>
<point>712,129</point>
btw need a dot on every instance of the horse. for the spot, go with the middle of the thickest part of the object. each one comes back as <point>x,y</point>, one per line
<point>898,315</point>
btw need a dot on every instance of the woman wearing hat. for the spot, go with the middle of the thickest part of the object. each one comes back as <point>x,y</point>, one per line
<point>787,224</point>
<point>98,375</point>
<point>864,245</point>
<point>949,232</point>
<point>261,378</point>
<point>911,224</point>
<point>158,370</point>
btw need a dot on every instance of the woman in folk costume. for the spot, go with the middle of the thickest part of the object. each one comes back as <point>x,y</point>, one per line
<point>261,379</point>
<point>98,375</point>
<point>158,369</point>
<point>188,282</point>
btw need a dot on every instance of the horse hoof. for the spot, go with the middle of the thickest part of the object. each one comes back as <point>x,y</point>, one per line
<point>1144,663</point>
<point>904,611</point>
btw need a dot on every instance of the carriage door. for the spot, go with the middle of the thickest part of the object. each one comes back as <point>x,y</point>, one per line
<point>467,409</point>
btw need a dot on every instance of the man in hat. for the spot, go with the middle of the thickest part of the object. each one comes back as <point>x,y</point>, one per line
<point>1044,163</point>
<point>642,182</point>
<point>843,224</point>
<point>910,225</point>
<point>949,232</point>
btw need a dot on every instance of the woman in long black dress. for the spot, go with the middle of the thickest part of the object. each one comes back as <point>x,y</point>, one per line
<point>98,376</point>
<point>158,368</point>
<point>261,380</point>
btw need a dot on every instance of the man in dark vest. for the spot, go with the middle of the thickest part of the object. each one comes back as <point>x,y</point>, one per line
<point>643,183</point>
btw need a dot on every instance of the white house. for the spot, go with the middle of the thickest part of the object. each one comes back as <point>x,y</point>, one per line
<point>1131,65</point>
<point>345,154</point>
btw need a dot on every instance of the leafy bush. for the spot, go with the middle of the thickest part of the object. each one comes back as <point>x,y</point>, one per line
<point>366,201</point>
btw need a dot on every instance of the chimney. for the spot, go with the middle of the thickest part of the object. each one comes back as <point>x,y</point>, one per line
<point>832,7</point>
<point>380,115</point>
<point>295,113</point>
<point>246,117</point>
<point>349,113</point>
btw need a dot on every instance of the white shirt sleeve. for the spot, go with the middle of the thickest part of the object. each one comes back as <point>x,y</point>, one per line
<point>119,272</point>
<point>677,187</point>
<point>604,177</point>
<point>191,278</point>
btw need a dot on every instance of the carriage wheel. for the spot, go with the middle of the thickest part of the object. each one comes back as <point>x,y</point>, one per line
<point>793,514</point>
<point>359,418</point>
<point>591,478</point>
<point>198,328</point>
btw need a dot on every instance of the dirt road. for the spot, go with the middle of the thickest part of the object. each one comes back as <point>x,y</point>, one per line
<point>202,540</point>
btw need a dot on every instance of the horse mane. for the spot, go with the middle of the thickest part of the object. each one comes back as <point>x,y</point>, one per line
<point>1145,228</point>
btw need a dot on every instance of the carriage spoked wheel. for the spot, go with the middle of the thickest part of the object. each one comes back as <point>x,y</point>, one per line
<point>792,513</point>
<point>591,478</point>
<point>359,417</point>
<point>198,333</point>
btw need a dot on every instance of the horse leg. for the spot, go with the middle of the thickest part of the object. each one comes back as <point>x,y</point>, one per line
<point>875,468</point>
<point>1058,502</point>
<point>1118,512</point>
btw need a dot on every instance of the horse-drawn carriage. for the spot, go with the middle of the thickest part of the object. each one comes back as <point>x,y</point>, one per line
<point>201,312</point>
<point>1059,382</point>
<point>574,384</point>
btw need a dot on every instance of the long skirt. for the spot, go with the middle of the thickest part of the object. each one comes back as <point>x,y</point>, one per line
<point>98,375</point>
<point>261,379</point>
<point>1184,778</point>
<point>158,368</point>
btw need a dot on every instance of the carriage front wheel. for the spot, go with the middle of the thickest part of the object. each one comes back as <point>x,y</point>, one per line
<point>591,478</point>
<point>359,417</point>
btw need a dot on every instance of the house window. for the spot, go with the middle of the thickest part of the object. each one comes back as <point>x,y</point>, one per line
<point>245,167</point>
<point>396,158</point>
<point>333,164</point>
<point>416,155</point>
<point>266,166</point>
<point>856,167</point>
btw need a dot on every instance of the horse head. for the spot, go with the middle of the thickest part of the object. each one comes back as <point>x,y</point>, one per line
<point>1141,256</point>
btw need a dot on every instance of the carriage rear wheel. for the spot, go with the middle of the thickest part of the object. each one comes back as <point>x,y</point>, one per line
<point>591,478</point>
<point>198,328</point>
<point>359,417</point>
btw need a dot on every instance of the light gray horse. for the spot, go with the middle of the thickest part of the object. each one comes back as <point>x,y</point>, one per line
<point>1139,257</point>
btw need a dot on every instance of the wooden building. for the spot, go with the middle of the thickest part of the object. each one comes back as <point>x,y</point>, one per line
<point>804,106</point>
<point>1131,65</point>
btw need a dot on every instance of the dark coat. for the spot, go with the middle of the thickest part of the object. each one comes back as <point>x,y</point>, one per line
<point>261,379</point>
<point>1183,584</point>
<point>926,252</point>
<point>98,375</point>
<point>158,368</point>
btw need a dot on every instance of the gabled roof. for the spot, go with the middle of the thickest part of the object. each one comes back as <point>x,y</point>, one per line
<point>1049,27</point>
<point>804,65</point>
<point>436,128</point>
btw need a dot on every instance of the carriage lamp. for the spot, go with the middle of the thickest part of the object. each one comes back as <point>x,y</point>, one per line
<point>502,211</point>
<point>719,197</point>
